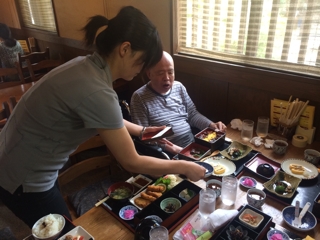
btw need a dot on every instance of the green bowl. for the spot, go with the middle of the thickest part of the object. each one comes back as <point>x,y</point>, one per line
<point>170,205</point>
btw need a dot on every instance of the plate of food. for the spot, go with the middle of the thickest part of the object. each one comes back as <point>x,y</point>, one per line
<point>299,168</point>
<point>221,166</point>
<point>154,191</point>
<point>236,151</point>
<point>282,184</point>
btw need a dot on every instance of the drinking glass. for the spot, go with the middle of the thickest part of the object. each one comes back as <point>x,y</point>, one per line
<point>247,130</point>
<point>207,202</point>
<point>229,190</point>
<point>262,126</point>
<point>159,233</point>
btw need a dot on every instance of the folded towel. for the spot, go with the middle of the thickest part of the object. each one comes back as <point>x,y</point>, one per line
<point>220,217</point>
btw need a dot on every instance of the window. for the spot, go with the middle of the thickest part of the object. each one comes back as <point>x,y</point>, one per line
<point>277,34</point>
<point>38,14</point>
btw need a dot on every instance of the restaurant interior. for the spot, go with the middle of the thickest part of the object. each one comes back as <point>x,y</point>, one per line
<point>221,90</point>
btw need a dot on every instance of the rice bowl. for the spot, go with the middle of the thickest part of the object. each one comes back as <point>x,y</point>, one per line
<point>48,227</point>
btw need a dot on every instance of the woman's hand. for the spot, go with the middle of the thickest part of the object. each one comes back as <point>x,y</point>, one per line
<point>194,171</point>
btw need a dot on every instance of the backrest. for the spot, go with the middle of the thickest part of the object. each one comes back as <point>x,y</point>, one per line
<point>46,65</point>
<point>11,73</point>
<point>33,57</point>
<point>4,114</point>
<point>141,147</point>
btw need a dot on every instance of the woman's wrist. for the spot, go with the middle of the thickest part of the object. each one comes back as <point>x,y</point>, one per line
<point>142,131</point>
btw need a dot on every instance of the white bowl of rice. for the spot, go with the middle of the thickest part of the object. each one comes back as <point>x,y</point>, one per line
<point>48,227</point>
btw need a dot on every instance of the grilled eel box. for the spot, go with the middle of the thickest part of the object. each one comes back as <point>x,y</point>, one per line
<point>184,192</point>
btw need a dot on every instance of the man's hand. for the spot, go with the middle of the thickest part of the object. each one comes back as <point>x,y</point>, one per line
<point>219,125</point>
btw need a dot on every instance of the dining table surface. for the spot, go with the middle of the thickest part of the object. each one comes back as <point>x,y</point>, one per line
<point>103,225</point>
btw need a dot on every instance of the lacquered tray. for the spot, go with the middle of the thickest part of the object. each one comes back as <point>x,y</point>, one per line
<point>239,164</point>
<point>254,233</point>
<point>170,221</point>
<point>261,159</point>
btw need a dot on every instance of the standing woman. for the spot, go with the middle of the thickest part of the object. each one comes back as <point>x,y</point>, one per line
<point>73,103</point>
<point>9,49</point>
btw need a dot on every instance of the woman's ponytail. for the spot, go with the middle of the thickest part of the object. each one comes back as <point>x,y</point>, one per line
<point>92,27</point>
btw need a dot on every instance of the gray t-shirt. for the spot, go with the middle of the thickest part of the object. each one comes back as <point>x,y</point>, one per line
<point>58,113</point>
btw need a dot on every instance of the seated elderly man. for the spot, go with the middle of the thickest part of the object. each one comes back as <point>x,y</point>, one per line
<point>164,101</point>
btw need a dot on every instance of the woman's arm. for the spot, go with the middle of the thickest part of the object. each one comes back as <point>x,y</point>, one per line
<point>121,145</point>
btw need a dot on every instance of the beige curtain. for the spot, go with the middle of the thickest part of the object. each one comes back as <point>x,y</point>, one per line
<point>277,34</point>
<point>38,14</point>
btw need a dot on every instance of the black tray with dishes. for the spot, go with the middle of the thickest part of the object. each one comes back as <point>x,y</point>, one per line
<point>239,164</point>
<point>169,220</point>
<point>257,233</point>
<point>213,142</point>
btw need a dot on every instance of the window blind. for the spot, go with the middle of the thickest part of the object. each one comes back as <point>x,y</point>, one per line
<point>277,34</point>
<point>38,14</point>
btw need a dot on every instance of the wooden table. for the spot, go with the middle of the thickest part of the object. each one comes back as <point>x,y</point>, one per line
<point>102,225</point>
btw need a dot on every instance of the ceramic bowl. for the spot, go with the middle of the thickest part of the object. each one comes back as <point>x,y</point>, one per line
<point>120,185</point>
<point>128,212</point>
<point>170,205</point>
<point>280,147</point>
<point>244,149</point>
<point>265,170</point>
<point>256,197</point>
<point>207,166</point>
<point>216,185</point>
<point>308,222</point>
<point>143,228</point>
<point>282,176</point>
<point>312,156</point>
<point>271,232</point>
<point>248,182</point>
<point>42,220</point>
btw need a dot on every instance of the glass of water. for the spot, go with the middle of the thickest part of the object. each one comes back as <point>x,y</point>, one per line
<point>207,202</point>
<point>262,126</point>
<point>247,130</point>
<point>229,190</point>
<point>159,233</point>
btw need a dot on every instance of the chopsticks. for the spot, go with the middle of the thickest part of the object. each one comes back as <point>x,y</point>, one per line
<point>101,201</point>
<point>292,112</point>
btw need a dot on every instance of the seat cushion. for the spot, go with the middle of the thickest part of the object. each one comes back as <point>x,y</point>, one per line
<point>86,198</point>
<point>6,233</point>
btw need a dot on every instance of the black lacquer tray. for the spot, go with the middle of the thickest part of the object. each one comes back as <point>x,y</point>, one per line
<point>254,233</point>
<point>170,221</point>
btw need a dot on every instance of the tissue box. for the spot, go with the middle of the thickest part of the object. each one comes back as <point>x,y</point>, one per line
<point>214,143</point>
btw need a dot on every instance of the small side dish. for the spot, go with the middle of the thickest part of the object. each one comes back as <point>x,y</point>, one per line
<point>251,218</point>
<point>275,234</point>
<point>170,205</point>
<point>77,233</point>
<point>236,151</point>
<point>128,212</point>
<point>248,182</point>
<point>237,233</point>
<point>186,194</point>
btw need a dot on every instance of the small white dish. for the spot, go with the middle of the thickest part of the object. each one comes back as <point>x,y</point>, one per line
<point>78,231</point>
<point>251,218</point>
<point>227,164</point>
<point>245,181</point>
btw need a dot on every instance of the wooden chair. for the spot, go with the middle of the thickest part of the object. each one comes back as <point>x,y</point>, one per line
<point>4,114</point>
<point>24,46</point>
<point>16,71</point>
<point>77,169</point>
<point>43,66</point>
<point>33,57</point>
<point>12,102</point>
